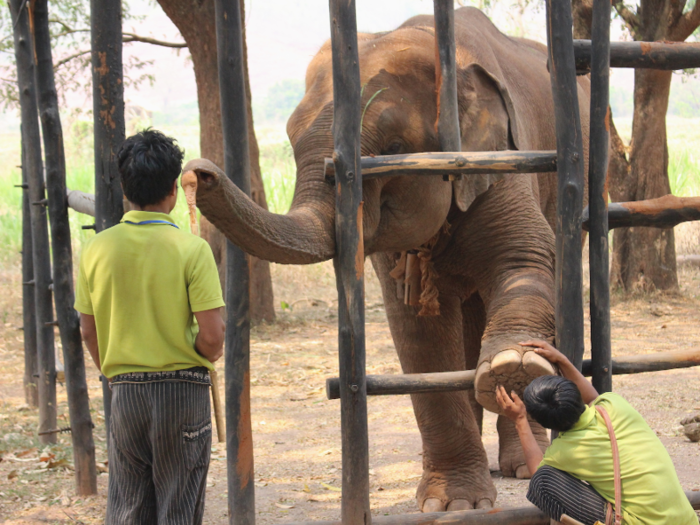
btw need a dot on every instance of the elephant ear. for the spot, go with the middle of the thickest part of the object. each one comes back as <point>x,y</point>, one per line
<point>488,122</point>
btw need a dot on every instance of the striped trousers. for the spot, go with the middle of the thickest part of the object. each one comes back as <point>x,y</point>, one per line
<point>159,451</point>
<point>556,492</point>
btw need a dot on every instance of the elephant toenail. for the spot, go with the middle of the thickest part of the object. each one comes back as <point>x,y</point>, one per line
<point>522,472</point>
<point>459,504</point>
<point>433,505</point>
<point>484,504</point>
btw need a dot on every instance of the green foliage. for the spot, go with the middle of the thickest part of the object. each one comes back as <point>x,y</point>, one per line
<point>281,100</point>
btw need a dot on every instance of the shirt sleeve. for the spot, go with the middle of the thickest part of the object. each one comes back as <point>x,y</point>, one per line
<point>203,286</point>
<point>83,301</point>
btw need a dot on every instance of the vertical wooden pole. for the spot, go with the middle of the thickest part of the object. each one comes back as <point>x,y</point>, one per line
<point>349,263</point>
<point>108,110</point>
<point>239,433</point>
<point>568,271</point>
<point>448,116</point>
<point>24,53</point>
<point>68,320</point>
<point>31,368</point>
<point>598,198</point>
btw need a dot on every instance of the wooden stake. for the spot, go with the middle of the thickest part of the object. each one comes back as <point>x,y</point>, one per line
<point>31,366</point>
<point>239,433</point>
<point>108,112</point>
<point>349,264</point>
<point>568,271</point>
<point>24,53</point>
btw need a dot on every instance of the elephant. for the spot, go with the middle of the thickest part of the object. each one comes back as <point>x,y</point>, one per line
<point>477,254</point>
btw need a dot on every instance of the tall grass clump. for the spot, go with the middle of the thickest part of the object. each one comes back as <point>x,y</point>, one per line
<point>684,171</point>
<point>278,169</point>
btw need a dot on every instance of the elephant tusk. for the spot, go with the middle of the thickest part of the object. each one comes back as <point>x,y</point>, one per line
<point>189,185</point>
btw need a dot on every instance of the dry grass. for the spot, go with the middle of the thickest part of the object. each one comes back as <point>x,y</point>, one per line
<point>296,429</point>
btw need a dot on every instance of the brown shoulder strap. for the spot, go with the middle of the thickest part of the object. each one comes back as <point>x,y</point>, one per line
<point>616,464</point>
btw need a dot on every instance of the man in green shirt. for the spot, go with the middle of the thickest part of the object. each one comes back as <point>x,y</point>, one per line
<point>150,304</point>
<point>651,493</point>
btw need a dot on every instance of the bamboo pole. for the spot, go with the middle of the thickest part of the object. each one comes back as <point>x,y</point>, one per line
<point>68,319</point>
<point>598,199</point>
<point>451,163</point>
<point>401,384</point>
<point>31,366</point>
<point>189,183</point>
<point>24,54</point>
<point>239,434</point>
<point>663,212</point>
<point>108,112</point>
<point>644,55</point>
<point>349,264</point>
<point>568,270</point>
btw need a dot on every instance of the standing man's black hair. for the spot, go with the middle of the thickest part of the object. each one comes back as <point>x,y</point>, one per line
<point>554,402</point>
<point>149,163</point>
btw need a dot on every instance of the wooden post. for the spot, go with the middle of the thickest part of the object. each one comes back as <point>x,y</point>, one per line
<point>68,319</point>
<point>598,198</point>
<point>24,53</point>
<point>239,433</point>
<point>31,367</point>
<point>349,264</point>
<point>446,76</point>
<point>108,111</point>
<point>568,271</point>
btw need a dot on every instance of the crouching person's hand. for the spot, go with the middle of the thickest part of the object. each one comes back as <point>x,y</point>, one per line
<point>513,408</point>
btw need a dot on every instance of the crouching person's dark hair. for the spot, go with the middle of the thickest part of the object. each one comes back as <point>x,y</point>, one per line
<point>149,163</point>
<point>554,402</point>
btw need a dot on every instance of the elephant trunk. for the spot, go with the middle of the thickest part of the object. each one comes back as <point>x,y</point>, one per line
<point>305,235</point>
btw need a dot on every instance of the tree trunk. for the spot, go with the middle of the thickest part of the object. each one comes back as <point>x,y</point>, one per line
<point>195,20</point>
<point>645,258</point>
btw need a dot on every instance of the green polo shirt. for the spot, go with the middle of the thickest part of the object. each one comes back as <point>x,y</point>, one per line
<point>651,492</point>
<point>142,282</point>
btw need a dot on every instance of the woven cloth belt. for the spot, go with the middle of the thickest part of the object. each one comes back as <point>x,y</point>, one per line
<point>616,468</point>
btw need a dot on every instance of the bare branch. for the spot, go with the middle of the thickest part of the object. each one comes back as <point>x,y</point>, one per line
<point>130,37</point>
<point>630,18</point>
<point>71,57</point>
<point>687,24</point>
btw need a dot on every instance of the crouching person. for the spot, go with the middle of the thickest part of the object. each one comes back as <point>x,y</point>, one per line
<point>150,306</point>
<point>606,465</point>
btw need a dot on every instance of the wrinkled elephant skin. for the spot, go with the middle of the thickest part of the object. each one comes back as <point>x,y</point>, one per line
<point>485,244</point>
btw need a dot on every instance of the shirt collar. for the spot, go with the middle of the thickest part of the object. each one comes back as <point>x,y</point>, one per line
<point>586,418</point>
<point>140,216</point>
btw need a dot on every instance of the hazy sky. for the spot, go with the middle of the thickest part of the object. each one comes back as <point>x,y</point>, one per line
<point>283,36</point>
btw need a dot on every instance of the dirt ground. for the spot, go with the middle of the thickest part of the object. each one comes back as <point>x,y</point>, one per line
<point>296,429</point>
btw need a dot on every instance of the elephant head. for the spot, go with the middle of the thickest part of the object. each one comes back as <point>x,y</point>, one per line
<point>399,113</point>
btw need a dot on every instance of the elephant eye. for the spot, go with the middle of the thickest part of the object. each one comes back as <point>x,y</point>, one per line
<point>393,148</point>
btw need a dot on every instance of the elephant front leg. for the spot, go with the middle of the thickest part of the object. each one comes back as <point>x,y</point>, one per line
<point>511,458</point>
<point>455,467</point>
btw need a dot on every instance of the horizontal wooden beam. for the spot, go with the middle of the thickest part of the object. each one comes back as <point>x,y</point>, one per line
<point>649,55</point>
<point>81,202</point>
<point>401,384</point>
<point>453,164</point>
<point>664,212</point>
<point>505,516</point>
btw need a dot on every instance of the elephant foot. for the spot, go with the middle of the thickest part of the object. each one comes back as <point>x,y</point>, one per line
<point>447,491</point>
<point>514,367</point>
<point>510,452</point>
